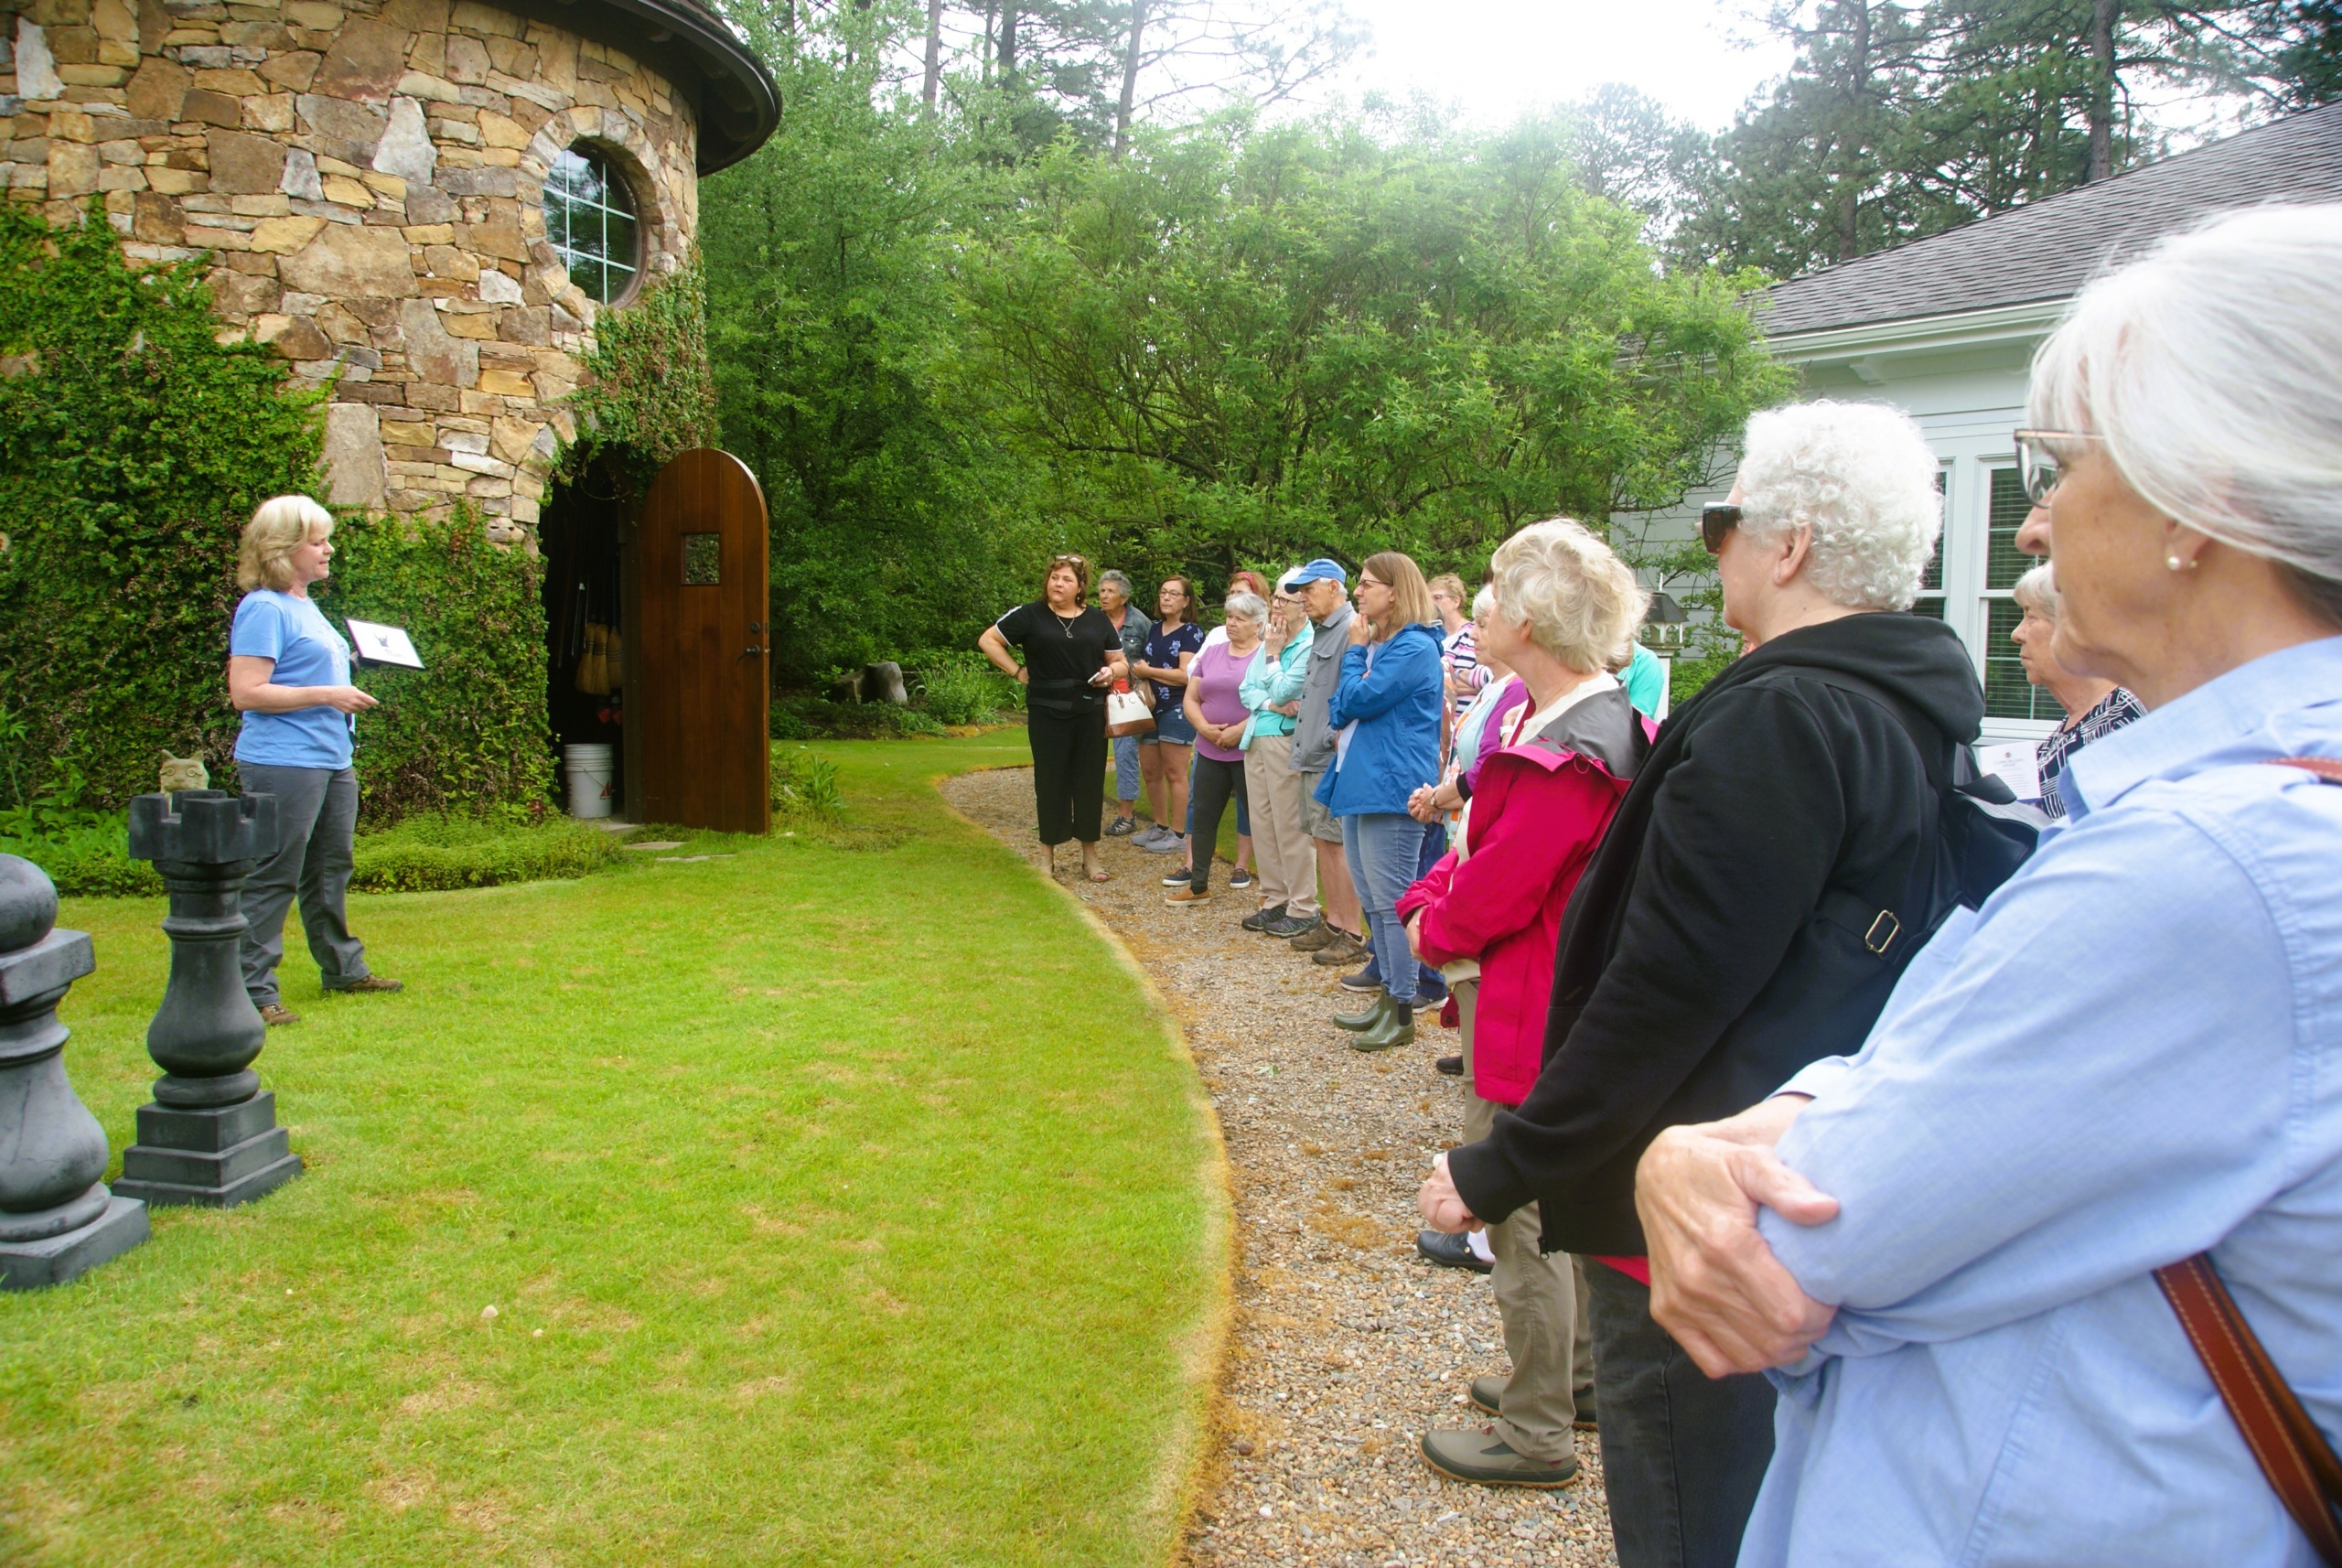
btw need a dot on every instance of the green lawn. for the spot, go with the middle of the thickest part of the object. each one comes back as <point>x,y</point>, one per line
<point>837,1205</point>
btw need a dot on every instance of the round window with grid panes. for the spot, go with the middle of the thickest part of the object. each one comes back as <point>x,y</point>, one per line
<point>591,222</point>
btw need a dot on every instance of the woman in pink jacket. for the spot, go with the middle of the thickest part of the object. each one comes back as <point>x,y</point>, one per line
<point>1490,914</point>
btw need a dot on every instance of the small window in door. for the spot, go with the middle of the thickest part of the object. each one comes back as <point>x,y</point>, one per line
<point>703,559</point>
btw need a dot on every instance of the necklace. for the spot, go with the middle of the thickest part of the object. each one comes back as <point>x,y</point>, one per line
<point>1064,622</point>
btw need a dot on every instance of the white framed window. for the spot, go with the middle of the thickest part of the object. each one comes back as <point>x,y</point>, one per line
<point>592,224</point>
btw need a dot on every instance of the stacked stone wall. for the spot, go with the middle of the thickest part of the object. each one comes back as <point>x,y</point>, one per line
<point>368,180</point>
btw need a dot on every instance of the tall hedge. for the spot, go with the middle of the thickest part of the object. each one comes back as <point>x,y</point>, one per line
<point>468,730</point>
<point>133,447</point>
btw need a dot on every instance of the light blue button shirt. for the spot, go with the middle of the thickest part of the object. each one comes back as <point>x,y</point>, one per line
<point>2132,1054</point>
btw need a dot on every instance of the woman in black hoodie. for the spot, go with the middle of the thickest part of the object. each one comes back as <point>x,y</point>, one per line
<point>1776,862</point>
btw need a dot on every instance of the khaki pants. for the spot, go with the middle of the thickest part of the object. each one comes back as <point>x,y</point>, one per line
<point>1539,1296</point>
<point>1280,843</point>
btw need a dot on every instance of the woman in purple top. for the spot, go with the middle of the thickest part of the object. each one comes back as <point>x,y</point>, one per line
<point>1220,719</point>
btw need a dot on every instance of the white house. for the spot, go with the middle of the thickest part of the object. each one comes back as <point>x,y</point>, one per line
<point>1945,328</point>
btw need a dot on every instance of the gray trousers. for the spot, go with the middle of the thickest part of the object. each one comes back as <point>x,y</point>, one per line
<point>1540,1296</point>
<point>316,816</point>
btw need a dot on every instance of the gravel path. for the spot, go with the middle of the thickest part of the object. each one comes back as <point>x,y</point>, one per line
<point>1345,1344</point>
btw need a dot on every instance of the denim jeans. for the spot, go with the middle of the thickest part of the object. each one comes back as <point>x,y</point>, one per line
<point>1126,773</point>
<point>1682,1454</point>
<point>1383,848</point>
<point>316,815</point>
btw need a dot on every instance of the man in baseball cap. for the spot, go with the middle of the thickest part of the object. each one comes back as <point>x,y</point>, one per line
<point>1323,587</point>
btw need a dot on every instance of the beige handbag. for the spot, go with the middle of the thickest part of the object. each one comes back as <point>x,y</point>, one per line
<point>1127,712</point>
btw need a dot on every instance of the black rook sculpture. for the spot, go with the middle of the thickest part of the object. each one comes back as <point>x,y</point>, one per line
<point>57,1218</point>
<point>210,1137</point>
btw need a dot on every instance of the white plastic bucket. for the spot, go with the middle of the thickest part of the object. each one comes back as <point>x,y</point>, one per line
<point>590,773</point>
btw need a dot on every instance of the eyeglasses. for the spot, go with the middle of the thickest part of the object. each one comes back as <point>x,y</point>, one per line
<point>1068,560</point>
<point>1716,520</point>
<point>2039,464</point>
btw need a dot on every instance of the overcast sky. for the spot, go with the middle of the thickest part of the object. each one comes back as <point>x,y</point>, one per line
<point>1498,58</point>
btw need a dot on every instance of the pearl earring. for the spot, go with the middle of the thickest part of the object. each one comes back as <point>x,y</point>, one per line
<point>2173,561</point>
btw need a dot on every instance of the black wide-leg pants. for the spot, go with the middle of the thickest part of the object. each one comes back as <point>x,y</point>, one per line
<point>1069,772</point>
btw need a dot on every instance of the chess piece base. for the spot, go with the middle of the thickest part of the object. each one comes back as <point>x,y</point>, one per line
<point>53,1259</point>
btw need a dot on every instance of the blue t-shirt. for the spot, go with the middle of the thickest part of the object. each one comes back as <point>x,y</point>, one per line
<point>1164,645</point>
<point>308,652</point>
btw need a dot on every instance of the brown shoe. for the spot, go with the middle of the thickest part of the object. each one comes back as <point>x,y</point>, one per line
<point>1315,937</point>
<point>275,1016</point>
<point>371,982</point>
<point>1344,949</point>
<point>1187,896</point>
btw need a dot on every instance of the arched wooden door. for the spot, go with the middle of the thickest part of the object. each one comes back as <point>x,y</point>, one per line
<point>704,687</point>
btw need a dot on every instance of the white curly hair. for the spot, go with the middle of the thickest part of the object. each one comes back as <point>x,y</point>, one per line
<point>1860,475</point>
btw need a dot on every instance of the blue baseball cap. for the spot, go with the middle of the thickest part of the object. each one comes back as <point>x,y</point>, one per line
<point>1318,570</point>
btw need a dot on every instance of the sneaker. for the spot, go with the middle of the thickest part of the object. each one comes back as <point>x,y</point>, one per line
<point>1431,989</point>
<point>372,982</point>
<point>1479,1454</point>
<point>1294,926</point>
<point>1450,1251</point>
<point>1121,827</point>
<point>1343,948</point>
<point>1367,979</point>
<point>1315,938</point>
<point>1163,843</point>
<point>275,1016</point>
<point>1187,894</point>
<point>1426,1000</point>
<point>1239,877</point>
<point>1259,919</point>
<point>1488,1394</point>
<point>1178,878</point>
<point>1450,1067</point>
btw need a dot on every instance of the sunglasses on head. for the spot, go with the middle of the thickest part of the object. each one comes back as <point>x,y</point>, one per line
<point>1717,520</point>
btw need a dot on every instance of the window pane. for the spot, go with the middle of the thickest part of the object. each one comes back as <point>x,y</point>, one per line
<point>1930,607</point>
<point>591,224</point>
<point>2007,693</point>
<point>2004,564</point>
<point>703,559</point>
<point>1933,580</point>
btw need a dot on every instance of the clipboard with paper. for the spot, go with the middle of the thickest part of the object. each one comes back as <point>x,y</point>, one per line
<point>387,646</point>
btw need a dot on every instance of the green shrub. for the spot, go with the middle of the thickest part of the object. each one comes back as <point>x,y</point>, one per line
<point>430,851</point>
<point>962,687</point>
<point>85,852</point>
<point>804,784</point>
<point>805,716</point>
<point>466,732</point>
<point>133,447</point>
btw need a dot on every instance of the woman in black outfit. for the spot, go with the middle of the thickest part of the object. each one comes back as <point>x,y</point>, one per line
<point>1072,653</point>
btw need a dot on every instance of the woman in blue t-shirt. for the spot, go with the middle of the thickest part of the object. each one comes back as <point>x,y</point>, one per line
<point>288,674</point>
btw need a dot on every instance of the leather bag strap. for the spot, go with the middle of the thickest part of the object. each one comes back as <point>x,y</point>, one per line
<point>2291,1450</point>
<point>2286,1444</point>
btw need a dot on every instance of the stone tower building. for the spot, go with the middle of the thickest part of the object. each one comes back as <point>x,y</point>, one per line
<point>428,202</point>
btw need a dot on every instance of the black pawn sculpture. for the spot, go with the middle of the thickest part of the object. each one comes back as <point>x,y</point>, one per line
<point>57,1218</point>
<point>210,1137</point>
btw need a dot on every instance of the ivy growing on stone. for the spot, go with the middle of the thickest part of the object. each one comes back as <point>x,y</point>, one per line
<point>653,392</point>
<point>134,445</point>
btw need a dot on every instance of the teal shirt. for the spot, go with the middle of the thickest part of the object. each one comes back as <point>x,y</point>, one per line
<point>1645,681</point>
<point>1266,685</point>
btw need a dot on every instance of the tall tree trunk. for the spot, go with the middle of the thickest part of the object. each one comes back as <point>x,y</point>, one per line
<point>1130,78</point>
<point>934,54</point>
<point>1849,184</point>
<point>1008,40</point>
<point>984,55</point>
<point>2103,15</point>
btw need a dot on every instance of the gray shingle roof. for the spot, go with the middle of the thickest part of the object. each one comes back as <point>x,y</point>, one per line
<point>2050,249</point>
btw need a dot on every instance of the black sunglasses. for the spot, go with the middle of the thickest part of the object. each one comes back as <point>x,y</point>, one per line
<point>1716,520</point>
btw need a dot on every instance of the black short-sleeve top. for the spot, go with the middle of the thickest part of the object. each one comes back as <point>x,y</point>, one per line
<point>1062,652</point>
